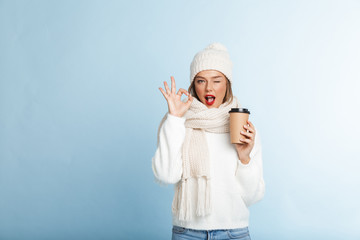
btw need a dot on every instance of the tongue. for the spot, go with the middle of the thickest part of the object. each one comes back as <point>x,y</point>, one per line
<point>210,100</point>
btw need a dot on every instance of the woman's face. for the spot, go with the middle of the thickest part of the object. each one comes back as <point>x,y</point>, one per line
<point>210,87</point>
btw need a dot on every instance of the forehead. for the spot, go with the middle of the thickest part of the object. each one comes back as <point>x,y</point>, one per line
<point>210,74</point>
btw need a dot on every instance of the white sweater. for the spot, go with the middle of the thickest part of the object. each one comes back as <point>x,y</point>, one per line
<point>234,186</point>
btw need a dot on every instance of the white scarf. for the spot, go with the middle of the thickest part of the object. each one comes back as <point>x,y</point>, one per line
<point>195,156</point>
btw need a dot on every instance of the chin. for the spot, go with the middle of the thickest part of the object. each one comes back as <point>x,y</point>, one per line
<point>213,106</point>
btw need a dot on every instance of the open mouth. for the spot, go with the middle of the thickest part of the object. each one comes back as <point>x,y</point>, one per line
<point>210,99</point>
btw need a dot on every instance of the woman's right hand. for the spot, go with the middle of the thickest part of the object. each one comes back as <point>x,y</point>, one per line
<point>175,105</point>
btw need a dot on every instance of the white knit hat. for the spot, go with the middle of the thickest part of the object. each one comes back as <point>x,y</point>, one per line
<point>213,57</point>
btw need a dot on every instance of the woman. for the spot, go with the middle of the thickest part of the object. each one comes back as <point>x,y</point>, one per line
<point>216,181</point>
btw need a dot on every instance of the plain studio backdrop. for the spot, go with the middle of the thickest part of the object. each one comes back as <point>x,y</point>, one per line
<point>80,108</point>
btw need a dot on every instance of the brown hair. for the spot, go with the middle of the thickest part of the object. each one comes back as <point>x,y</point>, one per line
<point>228,94</point>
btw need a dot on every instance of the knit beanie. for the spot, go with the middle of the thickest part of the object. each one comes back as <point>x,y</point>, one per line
<point>213,57</point>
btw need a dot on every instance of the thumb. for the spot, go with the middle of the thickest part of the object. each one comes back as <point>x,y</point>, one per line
<point>190,100</point>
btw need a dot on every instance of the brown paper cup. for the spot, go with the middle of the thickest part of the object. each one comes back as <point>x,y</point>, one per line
<point>238,118</point>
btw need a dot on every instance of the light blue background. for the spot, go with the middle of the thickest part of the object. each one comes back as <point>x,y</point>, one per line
<point>80,107</point>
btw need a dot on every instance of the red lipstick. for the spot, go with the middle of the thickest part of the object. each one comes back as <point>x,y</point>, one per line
<point>210,99</point>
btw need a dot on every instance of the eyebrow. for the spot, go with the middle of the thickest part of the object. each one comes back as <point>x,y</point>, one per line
<point>205,78</point>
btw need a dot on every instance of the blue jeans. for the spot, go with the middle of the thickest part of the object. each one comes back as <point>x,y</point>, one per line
<point>180,233</point>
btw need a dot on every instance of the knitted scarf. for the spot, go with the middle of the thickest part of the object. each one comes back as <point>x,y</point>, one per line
<point>195,156</point>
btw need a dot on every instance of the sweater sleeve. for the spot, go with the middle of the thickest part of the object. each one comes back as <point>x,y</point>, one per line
<point>167,161</point>
<point>250,176</point>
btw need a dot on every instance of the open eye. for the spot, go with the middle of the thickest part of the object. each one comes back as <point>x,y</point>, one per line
<point>200,81</point>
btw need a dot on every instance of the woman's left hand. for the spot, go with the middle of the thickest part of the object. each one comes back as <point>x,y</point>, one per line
<point>248,140</point>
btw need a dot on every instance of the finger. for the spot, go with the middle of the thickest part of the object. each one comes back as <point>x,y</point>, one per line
<point>251,125</point>
<point>163,93</point>
<point>182,91</point>
<point>189,101</point>
<point>191,98</point>
<point>249,128</point>
<point>173,85</point>
<point>167,88</point>
<point>246,134</point>
<point>246,140</point>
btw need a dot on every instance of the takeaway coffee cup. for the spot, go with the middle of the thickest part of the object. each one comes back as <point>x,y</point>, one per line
<point>238,118</point>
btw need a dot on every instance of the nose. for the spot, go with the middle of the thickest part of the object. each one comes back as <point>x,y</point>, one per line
<point>209,86</point>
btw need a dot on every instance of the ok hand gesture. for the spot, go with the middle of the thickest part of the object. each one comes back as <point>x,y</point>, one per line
<point>175,105</point>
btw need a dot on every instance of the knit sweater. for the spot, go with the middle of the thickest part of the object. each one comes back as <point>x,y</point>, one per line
<point>235,186</point>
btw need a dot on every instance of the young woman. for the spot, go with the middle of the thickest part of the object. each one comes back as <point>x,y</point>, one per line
<point>215,181</point>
